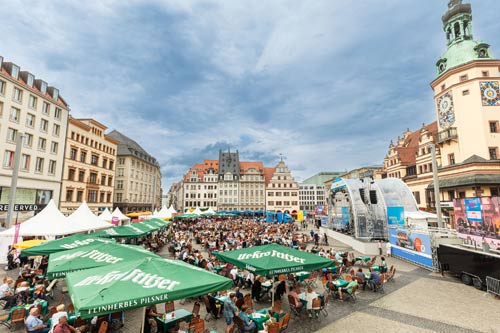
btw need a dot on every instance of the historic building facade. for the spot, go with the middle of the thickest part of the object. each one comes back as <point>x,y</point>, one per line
<point>282,191</point>
<point>89,170</point>
<point>138,177</point>
<point>466,133</point>
<point>35,110</point>
<point>200,185</point>
<point>252,186</point>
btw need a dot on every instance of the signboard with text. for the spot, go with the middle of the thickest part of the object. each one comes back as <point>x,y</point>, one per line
<point>20,207</point>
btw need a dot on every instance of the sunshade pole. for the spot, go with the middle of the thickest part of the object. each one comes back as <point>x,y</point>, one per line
<point>272,292</point>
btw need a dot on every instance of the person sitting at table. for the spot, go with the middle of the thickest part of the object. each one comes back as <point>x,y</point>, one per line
<point>63,327</point>
<point>151,314</point>
<point>7,294</point>
<point>61,312</point>
<point>257,289</point>
<point>310,295</point>
<point>238,293</point>
<point>35,324</point>
<point>230,309</point>
<point>347,289</point>
<point>374,279</point>
<point>361,276</point>
<point>40,292</point>
<point>293,293</point>
<point>248,324</point>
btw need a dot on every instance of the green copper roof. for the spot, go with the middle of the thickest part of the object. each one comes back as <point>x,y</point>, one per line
<point>463,52</point>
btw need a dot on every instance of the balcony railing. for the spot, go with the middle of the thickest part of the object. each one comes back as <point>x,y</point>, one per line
<point>447,135</point>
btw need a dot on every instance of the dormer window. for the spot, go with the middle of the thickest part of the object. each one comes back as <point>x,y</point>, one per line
<point>30,79</point>
<point>43,87</point>
<point>55,94</point>
<point>441,65</point>
<point>15,71</point>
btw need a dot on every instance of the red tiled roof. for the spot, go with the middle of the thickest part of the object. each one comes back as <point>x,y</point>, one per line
<point>268,174</point>
<point>245,166</point>
<point>407,151</point>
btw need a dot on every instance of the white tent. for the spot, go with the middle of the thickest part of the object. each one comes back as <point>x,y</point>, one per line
<point>155,212</point>
<point>105,215</point>
<point>117,213</point>
<point>84,217</point>
<point>163,213</point>
<point>197,211</point>
<point>210,211</point>
<point>49,222</point>
<point>171,209</point>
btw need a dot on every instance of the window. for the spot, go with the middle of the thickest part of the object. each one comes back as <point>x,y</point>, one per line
<point>119,197</point>
<point>15,72</point>
<point>120,172</point>
<point>2,87</point>
<point>93,178</point>
<point>18,95</point>
<point>52,167</point>
<point>11,135</point>
<point>46,108</point>
<point>465,92</point>
<point>464,78</point>
<point>42,144</point>
<point>8,161</point>
<point>79,196</point>
<point>493,153</point>
<point>493,126</point>
<point>54,147</point>
<point>83,156</point>
<point>32,102</point>
<point>14,114</point>
<point>111,165</point>
<point>119,185</point>
<point>30,120</point>
<point>57,113</point>
<point>39,165</point>
<point>28,140</point>
<point>108,197</point>
<point>485,73</point>
<point>1,109</point>
<point>25,162</point>
<point>451,195</point>
<point>451,159</point>
<point>81,176</point>
<point>71,174</point>
<point>270,203</point>
<point>104,163</point>
<point>443,87</point>
<point>110,181</point>
<point>417,197</point>
<point>44,126</point>
<point>69,195</point>
<point>72,154</point>
<point>102,197</point>
<point>94,159</point>
<point>121,161</point>
<point>57,130</point>
<point>103,179</point>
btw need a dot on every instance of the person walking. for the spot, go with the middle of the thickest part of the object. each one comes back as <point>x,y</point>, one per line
<point>379,245</point>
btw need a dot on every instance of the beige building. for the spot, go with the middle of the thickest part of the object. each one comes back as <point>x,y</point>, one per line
<point>282,191</point>
<point>252,186</point>
<point>200,186</point>
<point>467,132</point>
<point>89,170</point>
<point>138,177</point>
<point>30,107</point>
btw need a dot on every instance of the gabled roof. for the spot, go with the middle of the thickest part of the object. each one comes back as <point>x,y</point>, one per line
<point>268,174</point>
<point>475,159</point>
<point>245,166</point>
<point>408,148</point>
<point>129,147</point>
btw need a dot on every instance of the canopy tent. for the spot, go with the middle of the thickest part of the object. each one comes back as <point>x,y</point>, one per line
<point>49,222</point>
<point>273,259</point>
<point>29,243</point>
<point>197,211</point>
<point>210,211</point>
<point>124,231</point>
<point>172,210</point>
<point>84,217</point>
<point>62,244</point>
<point>117,213</point>
<point>138,283</point>
<point>155,212</point>
<point>93,255</point>
<point>106,215</point>
<point>164,213</point>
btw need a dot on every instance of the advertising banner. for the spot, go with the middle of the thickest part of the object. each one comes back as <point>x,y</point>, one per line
<point>114,220</point>
<point>412,246</point>
<point>473,209</point>
<point>345,216</point>
<point>324,221</point>
<point>479,226</point>
<point>395,216</point>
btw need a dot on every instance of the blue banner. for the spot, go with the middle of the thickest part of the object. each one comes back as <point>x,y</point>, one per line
<point>395,216</point>
<point>324,221</point>
<point>473,209</point>
<point>412,246</point>
<point>345,216</point>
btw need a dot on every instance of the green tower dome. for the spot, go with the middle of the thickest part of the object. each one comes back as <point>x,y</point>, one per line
<point>462,49</point>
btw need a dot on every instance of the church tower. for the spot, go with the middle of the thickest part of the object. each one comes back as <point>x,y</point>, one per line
<point>466,92</point>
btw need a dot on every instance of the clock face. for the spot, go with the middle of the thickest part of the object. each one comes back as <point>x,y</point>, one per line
<point>446,112</point>
<point>490,93</point>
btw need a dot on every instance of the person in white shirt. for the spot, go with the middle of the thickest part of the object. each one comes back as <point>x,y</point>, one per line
<point>310,295</point>
<point>234,275</point>
<point>60,313</point>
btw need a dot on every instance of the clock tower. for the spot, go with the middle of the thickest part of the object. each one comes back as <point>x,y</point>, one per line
<point>466,92</point>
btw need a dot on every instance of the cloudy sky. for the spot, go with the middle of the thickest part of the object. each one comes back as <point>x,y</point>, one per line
<point>326,83</point>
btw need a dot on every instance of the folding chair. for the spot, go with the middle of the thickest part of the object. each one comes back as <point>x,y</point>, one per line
<point>198,325</point>
<point>169,306</point>
<point>196,309</point>
<point>273,328</point>
<point>293,306</point>
<point>316,307</point>
<point>103,328</point>
<point>17,316</point>
<point>284,321</point>
<point>351,294</point>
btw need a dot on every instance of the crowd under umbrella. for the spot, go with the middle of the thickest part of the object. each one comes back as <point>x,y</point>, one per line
<point>139,283</point>
<point>95,254</point>
<point>124,231</point>
<point>62,244</point>
<point>273,259</point>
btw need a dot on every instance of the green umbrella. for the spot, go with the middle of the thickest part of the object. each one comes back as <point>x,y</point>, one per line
<point>93,255</point>
<point>124,231</point>
<point>62,244</point>
<point>274,259</point>
<point>137,283</point>
<point>157,223</point>
<point>186,216</point>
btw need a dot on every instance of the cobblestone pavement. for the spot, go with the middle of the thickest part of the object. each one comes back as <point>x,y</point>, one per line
<point>416,301</point>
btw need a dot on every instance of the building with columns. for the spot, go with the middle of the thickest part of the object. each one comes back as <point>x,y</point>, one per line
<point>138,177</point>
<point>35,110</point>
<point>466,132</point>
<point>89,168</point>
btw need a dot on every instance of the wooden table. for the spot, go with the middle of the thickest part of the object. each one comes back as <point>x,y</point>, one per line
<point>166,322</point>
